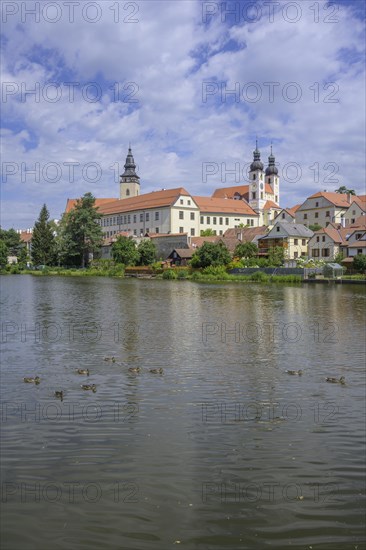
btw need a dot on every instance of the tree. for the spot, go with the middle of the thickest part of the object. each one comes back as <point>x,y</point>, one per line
<point>124,251</point>
<point>80,233</point>
<point>246,250</point>
<point>343,190</point>
<point>276,256</point>
<point>315,227</point>
<point>147,252</point>
<point>43,240</point>
<point>359,262</point>
<point>211,254</point>
<point>12,240</point>
<point>208,233</point>
<point>4,252</point>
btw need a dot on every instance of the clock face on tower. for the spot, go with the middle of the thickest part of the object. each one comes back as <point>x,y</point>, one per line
<point>254,186</point>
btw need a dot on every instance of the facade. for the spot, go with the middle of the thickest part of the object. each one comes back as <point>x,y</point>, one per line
<point>323,208</point>
<point>292,237</point>
<point>326,243</point>
<point>356,209</point>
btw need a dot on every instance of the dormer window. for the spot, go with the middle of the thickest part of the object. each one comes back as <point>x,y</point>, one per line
<point>278,228</point>
<point>127,192</point>
<point>253,176</point>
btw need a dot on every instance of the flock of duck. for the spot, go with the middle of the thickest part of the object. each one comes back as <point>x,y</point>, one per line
<point>90,387</point>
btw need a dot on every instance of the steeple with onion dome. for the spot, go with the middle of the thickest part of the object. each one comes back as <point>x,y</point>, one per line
<point>256,181</point>
<point>129,185</point>
<point>271,177</point>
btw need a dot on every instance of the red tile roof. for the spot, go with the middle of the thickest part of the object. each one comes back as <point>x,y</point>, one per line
<point>228,206</point>
<point>338,199</point>
<point>155,199</point>
<point>196,242</point>
<point>25,237</point>
<point>243,190</point>
<point>293,209</point>
<point>70,204</point>
<point>270,204</point>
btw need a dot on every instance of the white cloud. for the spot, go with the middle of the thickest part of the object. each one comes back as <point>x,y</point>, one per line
<point>166,56</point>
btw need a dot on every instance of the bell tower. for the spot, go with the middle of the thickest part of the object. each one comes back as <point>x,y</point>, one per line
<point>129,185</point>
<point>256,181</point>
<point>272,177</point>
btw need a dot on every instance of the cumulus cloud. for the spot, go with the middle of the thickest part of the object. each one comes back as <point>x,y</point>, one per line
<point>187,85</point>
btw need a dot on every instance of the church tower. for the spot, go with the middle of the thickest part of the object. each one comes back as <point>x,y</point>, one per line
<point>272,177</point>
<point>129,185</point>
<point>257,198</point>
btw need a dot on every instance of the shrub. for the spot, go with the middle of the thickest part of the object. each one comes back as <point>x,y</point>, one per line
<point>170,274</point>
<point>260,277</point>
<point>182,273</point>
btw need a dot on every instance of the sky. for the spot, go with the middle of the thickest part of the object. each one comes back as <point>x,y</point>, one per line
<point>190,84</point>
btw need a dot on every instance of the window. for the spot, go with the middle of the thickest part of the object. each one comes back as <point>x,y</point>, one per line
<point>192,231</point>
<point>141,217</point>
<point>107,221</point>
<point>253,176</point>
<point>129,218</point>
<point>156,230</point>
<point>327,214</point>
<point>359,251</point>
<point>261,194</point>
<point>147,216</point>
<point>189,202</point>
<point>254,195</point>
<point>305,216</point>
<point>134,218</point>
<point>278,228</point>
<point>181,230</point>
<point>135,231</point>
<point>302,253</point>
<point>325,252</point>
<point>323,239</point>
<point>221,221</point>
<point>317,239</point>
<point>276,198</point>
<point>316,204</point>
<point>214,220</point>
<point>226,221</point>
<point>156,216</point>
<point>201,219</point>
<point>315,253</point>
<point>303,242</point>
<point>296,254</point>
<point>127,192</point>
<point>192,215</point>
<point>283,215</point>
<point>221,232</point>
<point>124,219</point>
<point>114,220</point>
<point>181,201</point>
<point>353,212</point>
<point>316,214</point>
<point>269,180</point>
<point>252,223</point>
<point>296,241</point>
<point>208,219</point>
<point>181,215</point>
<point>358,236</point>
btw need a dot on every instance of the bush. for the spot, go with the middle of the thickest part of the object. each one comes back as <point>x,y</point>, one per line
<point>217,271</point>
<point>170,274</point>
<point>182,273</point>
<point>260,277</point>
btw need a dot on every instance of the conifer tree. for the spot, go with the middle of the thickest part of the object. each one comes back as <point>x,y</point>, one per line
<point>43,240</point>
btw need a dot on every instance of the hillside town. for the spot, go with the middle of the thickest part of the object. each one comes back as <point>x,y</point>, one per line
<point>328,225</point>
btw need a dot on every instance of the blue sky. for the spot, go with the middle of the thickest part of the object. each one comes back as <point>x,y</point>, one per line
<point>190,85</point>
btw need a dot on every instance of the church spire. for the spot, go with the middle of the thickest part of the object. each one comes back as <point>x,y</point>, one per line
<point>256,164</point>
<point>271,168</point>
<point>129,182</point>
<point>130,166</point>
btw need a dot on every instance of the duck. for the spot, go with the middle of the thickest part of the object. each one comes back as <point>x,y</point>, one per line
<point>298,372</point>
<point>83,371</point>
<point>59,394</point>
<point>112,359</point>
<point>91,387</point>
<point>157,371</point>
<point>134,369</point>
<point>35,380</point>
<point>340,380</point>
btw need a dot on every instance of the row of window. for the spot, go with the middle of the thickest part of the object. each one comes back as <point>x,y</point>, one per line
<point>127,218</point>
<point>181,214</point>
<point>181,201</point>
<point>325,253</point>
<point>316,215</point>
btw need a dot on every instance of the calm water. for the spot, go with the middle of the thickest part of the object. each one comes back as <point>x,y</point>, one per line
<point>224,450</point>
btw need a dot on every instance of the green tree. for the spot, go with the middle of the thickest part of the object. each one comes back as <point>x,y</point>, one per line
<point>211,254</point>
<point>315,227</point>
<point>4,252</point>
<point>12,240</point>
<point>359,262</point>
<point>276,256</point>
<point>343,190</point>
<point>208,233</point>
<point>124,251</point>
<point>43,240</point>
<point>80,232</point>
<point>246,250</point>
<point>147,252</point>
<point>338,258</point>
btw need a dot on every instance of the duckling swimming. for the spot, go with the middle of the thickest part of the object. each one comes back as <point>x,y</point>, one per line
<point>135,370</point>
<point>340,380</point>
<point>83,371</point>
<point>59,394</point>
<point>91,387</point>
<point>157,371</point>
<point>298,372</point>
<point>35,380</point>
<point>111,359</point>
